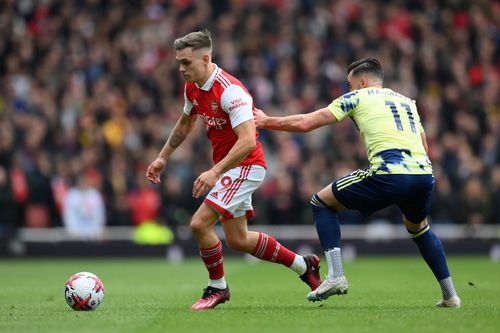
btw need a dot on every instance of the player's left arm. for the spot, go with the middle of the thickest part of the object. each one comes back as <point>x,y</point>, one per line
<point>423,137</point>
<point>238,104</point>
<point>295,123</point>
<point>424,141</point>
<point>243,146</point>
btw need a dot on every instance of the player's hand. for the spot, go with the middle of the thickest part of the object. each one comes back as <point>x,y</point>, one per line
<point>259,117</point>
<point>154,170</point>
<point>204,183</point>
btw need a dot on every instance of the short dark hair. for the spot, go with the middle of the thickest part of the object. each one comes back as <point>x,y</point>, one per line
<point>366,65</point>
<point>197,40</point>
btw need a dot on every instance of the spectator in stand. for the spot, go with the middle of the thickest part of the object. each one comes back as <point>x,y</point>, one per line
<point>444,200</point>
<point>143,201</point>
<point>41,209</point>
<point>474,204</point>
<point>84,216</point>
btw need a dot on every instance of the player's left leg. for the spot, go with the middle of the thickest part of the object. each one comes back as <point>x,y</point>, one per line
<point>415,207</point>
<point>266,247</point>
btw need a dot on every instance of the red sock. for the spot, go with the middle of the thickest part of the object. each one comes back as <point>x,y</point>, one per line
<point>270,250</point>
<point>212,257</point>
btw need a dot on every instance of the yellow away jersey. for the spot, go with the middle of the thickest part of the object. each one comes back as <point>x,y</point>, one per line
<point>390,127</point>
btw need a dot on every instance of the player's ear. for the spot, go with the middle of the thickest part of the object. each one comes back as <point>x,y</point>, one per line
<point>363,82</point>
<point>206,58</point>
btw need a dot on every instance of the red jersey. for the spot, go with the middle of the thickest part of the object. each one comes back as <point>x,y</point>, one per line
<point>223,103</point>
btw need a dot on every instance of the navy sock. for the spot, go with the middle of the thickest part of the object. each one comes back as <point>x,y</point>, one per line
<point>327,224</point>
<point>432,251</point>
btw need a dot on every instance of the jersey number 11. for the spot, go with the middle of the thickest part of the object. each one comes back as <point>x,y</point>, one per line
<point>397,117</point>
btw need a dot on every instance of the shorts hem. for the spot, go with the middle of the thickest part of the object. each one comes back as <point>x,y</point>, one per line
<point>226,215</point>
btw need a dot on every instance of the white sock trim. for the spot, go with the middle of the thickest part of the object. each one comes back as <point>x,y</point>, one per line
<point>218,283</point>
<point>299,265</point>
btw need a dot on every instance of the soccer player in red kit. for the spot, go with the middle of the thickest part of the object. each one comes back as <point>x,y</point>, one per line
<point>225,106</point>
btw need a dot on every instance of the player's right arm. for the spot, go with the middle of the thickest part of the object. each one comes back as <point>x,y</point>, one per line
<point>296,123</point>
<point>181,130</point>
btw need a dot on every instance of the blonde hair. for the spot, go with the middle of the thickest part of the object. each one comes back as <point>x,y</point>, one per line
<point>197,40</point>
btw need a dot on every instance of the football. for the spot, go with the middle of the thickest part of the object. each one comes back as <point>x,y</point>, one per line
<point>84,291</point>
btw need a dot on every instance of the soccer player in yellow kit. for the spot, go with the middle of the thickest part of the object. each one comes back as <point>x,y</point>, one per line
<point>400,172</point>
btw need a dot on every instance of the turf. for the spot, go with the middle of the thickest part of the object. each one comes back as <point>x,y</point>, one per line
<point>385,295</point>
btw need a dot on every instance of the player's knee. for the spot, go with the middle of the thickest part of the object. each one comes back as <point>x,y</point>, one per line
<point>198,226</point>
<point>413,227</point>
<point>317,203</point>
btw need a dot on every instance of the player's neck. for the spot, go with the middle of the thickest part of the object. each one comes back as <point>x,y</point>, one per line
<point>375,85</point>
<point>208,73</point>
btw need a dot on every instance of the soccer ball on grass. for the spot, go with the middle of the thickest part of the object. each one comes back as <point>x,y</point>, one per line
<point>84,291</point>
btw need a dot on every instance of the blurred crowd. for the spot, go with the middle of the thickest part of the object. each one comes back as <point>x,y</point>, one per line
<point>90,89</point>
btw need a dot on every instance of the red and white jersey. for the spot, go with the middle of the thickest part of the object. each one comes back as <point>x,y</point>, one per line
<point>223,103</point>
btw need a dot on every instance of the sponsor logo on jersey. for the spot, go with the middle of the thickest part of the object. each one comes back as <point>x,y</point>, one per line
<point>237,103</point>
<point>215,195</point>
<point>216,122</point>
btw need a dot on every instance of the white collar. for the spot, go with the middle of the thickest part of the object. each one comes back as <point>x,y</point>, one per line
<point>210,82</point>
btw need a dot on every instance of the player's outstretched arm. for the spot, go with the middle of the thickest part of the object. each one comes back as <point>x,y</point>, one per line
<point>181,130</point>
<point>296,123</point>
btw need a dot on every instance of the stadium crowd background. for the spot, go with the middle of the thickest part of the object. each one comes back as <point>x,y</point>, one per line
<point>90,91</point>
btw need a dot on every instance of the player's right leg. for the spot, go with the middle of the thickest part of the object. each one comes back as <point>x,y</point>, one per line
<point>202,226</point>
<point>325,206</point>
<point>266,247</point>
<point>359,190</point>
<point>231,197</point>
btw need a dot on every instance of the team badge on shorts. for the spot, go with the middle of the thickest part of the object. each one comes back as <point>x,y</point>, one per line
<point>226,181</point>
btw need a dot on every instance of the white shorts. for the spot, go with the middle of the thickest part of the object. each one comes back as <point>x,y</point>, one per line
<point>231,196</point>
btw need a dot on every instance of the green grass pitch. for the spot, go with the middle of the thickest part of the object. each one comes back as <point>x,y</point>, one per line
<point>395,294</point>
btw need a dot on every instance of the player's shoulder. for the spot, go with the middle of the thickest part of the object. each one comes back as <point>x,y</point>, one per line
<point>229,87</point>
<point>351,94</point>
<point>222,75</point>
<point>226,80</point>
<point>348,102</point>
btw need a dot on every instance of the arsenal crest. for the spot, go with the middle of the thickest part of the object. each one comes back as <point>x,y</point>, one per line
<point>214,106</point>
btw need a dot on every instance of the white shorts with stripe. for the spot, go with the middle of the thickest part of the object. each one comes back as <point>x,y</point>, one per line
<point>231,196</point>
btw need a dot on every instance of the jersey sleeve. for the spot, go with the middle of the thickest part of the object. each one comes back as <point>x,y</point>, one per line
<point>344,105</point>
<point>188,106</point>
<point>238,104</point>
